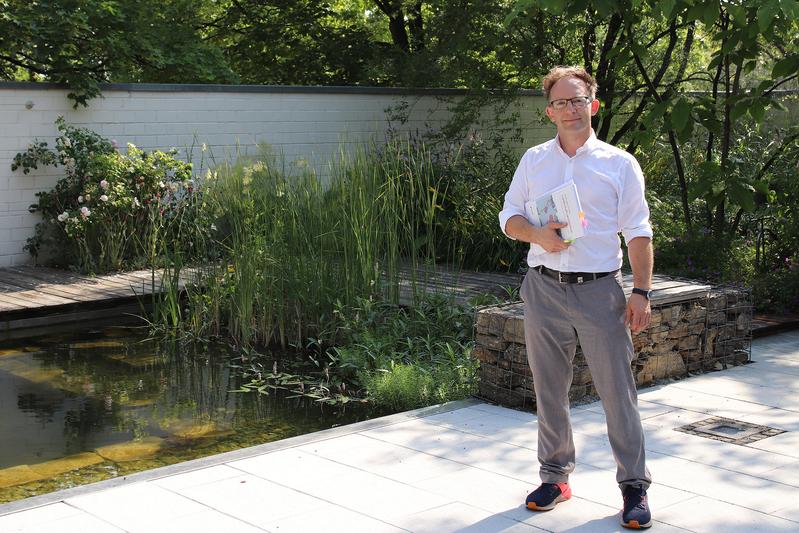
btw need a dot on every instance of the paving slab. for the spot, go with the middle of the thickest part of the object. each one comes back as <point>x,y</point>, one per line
<point>467,467</point>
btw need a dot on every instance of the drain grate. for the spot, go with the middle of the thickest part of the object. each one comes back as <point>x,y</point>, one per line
<point>729,430</point>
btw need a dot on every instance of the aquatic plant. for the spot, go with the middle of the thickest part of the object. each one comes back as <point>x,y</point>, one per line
<point>290,245</point>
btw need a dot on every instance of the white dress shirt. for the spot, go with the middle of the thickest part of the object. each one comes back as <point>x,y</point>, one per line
<point>610,185</point>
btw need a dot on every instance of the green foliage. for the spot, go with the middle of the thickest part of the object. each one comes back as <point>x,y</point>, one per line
<point>703,256</point>
<point>778,291</point>
<point>393,357</point>
<point>107,210</point>
<point>84,43</point>
<point>291,42</point>
<point>476,178</point>
<point>292,247</point>
<point>408,357</point>
<point>760,251</point>
<point>403,387</point>
<point>647,55</point>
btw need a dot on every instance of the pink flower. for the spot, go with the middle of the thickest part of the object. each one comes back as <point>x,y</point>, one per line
<point>104,184</point>
<point>104,198</point>
<point>85,212</point>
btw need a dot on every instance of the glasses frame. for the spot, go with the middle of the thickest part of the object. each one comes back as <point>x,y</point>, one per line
<point>584,100</point>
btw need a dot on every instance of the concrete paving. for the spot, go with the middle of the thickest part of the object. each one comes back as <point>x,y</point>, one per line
<point>467,466</point>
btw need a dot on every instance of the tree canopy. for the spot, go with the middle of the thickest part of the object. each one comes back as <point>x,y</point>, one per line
<point>684,73</point>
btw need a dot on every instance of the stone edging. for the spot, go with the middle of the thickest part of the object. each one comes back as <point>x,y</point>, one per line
<point>235,455</point>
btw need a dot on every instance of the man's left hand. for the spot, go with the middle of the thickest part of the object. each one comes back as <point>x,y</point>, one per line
<point>638,314</point>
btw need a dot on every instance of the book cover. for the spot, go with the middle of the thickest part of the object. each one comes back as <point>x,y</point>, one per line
<point>561,204</point>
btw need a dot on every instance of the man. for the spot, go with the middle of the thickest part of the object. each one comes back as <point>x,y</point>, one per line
<point>573,290</point>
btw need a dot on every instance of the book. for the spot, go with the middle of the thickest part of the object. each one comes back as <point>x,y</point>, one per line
<point>561,204</point>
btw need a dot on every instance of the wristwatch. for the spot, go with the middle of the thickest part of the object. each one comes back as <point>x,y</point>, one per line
<point>643,292</point>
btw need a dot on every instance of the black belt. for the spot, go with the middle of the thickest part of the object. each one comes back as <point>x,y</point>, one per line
<point>571,277</point>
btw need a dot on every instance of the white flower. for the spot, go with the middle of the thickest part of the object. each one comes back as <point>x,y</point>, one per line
<point>104,184</point>
<point>67,142</point>
<point>85,212</point>
<point>80,199</point>
<point>63,216</point>
<point>104,198</point>
<point>213,227</point>
<point>136,202</point>
<point>88,197</point>
<point>161,184</point>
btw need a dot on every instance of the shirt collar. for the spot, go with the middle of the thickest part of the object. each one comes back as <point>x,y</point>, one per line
<point>589,145</point>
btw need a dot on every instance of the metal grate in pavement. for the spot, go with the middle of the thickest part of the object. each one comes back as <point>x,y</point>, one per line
<point>729,430</point>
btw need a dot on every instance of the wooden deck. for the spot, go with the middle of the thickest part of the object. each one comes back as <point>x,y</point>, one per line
<point>464,285</point>
<point>37,296</point>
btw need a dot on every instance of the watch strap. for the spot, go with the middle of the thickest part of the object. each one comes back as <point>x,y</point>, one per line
<point>643,292</point>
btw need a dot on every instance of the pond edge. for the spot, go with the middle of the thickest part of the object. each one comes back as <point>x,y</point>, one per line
<point>234,455</point>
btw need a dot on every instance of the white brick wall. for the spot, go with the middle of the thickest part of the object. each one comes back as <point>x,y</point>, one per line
<point>297,123</point>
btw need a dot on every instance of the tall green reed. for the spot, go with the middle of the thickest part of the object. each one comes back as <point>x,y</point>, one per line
<point>293,246</point>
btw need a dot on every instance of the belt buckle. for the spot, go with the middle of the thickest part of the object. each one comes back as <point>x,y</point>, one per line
<point>579,279</point>
<point>560,277</point>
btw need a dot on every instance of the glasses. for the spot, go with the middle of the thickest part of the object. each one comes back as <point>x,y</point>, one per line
<point>578,102</point>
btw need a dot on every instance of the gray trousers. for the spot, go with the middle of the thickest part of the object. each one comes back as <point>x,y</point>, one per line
<point>555,316</point>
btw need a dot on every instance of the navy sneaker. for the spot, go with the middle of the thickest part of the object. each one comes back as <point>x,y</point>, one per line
<point>636,513</point>
<point>548,495</point>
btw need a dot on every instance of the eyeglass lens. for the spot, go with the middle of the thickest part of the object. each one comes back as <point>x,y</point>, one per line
<point>578,102</point>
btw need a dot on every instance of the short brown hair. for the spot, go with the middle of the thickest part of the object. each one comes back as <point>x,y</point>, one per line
<point>560,72</point>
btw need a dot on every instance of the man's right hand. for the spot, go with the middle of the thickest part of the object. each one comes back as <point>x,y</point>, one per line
<point>548,238</point>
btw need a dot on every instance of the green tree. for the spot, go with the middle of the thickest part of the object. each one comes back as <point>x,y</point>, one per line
<point>648,55</point>
<point>291,42</point>
<point>82,43</point>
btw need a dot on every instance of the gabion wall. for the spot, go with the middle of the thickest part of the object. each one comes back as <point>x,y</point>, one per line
<point>703,333</point>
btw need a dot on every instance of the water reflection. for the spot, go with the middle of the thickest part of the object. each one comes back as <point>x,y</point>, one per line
<point>109,401</point>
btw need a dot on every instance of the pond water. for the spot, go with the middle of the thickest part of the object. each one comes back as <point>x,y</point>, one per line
<point>107,402</point>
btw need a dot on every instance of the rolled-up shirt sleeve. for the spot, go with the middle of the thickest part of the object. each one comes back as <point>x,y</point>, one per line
<point>515,198</point>
<point>633,209</point>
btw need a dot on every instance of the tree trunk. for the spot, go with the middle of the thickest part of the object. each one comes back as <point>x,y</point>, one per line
<point>396,23</point>
<point>416,27</point>
<point>606,76</point>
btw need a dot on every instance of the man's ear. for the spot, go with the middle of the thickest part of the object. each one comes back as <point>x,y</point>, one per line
<point>594,106</point>
<point>550,113</point>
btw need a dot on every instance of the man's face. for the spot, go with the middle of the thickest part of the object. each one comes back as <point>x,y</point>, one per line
<point>571,119</point>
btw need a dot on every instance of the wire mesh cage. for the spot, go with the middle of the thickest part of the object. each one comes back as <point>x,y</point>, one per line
<point>695,328</point>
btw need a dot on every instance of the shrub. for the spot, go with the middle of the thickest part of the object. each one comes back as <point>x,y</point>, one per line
<point>408,357</point>
<point>777,292</point>
<point>702,256</point>
<point>400,387</point>
<point>476,178</point>
<point>111,210</point>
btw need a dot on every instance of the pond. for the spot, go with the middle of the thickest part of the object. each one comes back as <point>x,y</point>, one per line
<point>107,402</point>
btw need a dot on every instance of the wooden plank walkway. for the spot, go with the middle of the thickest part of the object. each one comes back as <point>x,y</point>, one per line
<point>464,285</point>
<point>31,295</point>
